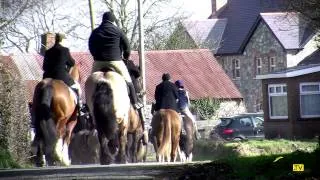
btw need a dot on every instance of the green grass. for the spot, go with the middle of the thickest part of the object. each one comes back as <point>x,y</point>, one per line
<point>213,150</point>
<point>6,161</point>
<point>255,159</point>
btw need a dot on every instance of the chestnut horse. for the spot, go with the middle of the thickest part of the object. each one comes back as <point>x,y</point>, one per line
<point>165,134</point>
<point>54,116</point>
<point>109,104</point>
<point>135,147</point>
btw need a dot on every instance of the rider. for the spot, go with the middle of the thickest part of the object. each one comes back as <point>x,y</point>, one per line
<point>184,103</point>
<point>108,45</point>
<point>57,63</point>
<point>166,94</point>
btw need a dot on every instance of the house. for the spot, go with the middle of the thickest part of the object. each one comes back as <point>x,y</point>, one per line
<point>291,100</point>
<point>195,67</point>
<point>256,37</point>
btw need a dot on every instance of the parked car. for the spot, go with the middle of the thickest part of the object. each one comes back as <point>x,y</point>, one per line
<point>239,127</point>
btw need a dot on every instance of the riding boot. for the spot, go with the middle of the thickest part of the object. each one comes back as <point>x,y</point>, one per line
<point>133,96</point>
<point>145,133</point>
<point>79,103</point>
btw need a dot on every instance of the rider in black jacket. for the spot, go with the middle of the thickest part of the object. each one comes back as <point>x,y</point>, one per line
<point>108,46</point>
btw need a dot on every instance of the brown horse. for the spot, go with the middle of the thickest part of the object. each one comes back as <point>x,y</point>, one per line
<point>54,115</point>
<point>135,147</point>
<point>165,134</point>
<point>109,104</point>
<point>186,140</point>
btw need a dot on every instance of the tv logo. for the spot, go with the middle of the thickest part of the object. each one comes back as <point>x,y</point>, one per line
<point>298,167</point>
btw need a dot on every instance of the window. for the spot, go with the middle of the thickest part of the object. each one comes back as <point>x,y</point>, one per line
<point>278,103</point>
<point>235,68</point>
<point>245,122</point>
<point>258,121</point>
<point>272,64</point>
<point>259,65</point>
<point>310,100</point>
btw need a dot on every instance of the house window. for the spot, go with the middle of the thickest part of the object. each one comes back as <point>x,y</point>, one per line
<point>278,103</point>
<point>259,65</point>
<point>272,64</point>
<point>235,68</point>
<point>310,100</point>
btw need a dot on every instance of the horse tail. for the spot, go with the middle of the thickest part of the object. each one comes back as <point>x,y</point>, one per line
<point>166,136</point>
<point>103,109</point>
<point>45,125</point>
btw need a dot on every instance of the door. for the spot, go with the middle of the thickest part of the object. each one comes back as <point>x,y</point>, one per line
<point>246,127</point>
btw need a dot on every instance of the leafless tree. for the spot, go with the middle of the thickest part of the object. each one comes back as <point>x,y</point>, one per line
<point>44,16</point>
<point>158,20</point>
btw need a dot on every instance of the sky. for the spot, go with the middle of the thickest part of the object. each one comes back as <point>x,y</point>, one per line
<point>200,9</point>
<point>194,10</point>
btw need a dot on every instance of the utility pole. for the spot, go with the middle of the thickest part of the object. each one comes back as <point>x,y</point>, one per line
<point>141,51</point>
<point>91,15</point>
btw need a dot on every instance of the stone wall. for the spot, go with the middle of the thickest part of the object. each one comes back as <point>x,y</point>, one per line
<point>264,45</point>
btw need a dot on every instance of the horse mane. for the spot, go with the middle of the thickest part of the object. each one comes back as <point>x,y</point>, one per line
<point>103,109</point>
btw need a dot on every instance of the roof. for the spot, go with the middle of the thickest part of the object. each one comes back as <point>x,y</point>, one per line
<point>313,58</point>
<point>241,16</point>
<point>292,72</point>
<point>288,27</point>
<point>200,71</point>
<point>206,33</point>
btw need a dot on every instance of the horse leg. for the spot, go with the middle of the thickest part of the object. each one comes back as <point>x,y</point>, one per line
<point>122,149</point>
<point>61,148</point>
<point>135,146</point>
<point>174,147</point>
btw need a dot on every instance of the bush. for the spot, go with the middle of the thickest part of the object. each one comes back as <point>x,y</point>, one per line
<point>14,116</point>
<point>206,107</point>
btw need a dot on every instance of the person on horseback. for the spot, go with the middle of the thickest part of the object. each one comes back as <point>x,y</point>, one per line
<point>184,103</point>
<point>135,74</point>
<point>166,94</point>
<point>57,63</point>
<point>108,46</point>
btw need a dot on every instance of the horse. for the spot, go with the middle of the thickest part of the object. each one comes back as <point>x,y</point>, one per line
<point>109,104</point>
<point>186,140</point>
<point>165,134</point>
<point>135,148</point>
<point>54,115</point>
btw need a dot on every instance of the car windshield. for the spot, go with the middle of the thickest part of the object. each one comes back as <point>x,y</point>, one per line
<point>225,121</point>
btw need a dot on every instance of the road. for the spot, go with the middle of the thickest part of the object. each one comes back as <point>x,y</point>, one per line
<point>148,170</point>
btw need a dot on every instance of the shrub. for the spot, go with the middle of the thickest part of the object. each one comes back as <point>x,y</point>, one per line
<point>206,107</point>
<point>14,116</point>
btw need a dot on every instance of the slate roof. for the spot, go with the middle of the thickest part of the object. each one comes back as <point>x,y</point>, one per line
<point>241,16</point>
<point>313,58</point>
<point>206,33</point>
<point>289,28</point>
<point>202,74</point>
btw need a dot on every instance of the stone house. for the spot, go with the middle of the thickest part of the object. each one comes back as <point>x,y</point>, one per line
<point>253,37</point>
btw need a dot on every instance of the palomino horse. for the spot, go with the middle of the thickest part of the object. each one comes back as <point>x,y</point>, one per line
<point>54,115</point>
<point>165,134</point>
<point>186,140</point>
<point>135,147</point>
<point>109,104</point>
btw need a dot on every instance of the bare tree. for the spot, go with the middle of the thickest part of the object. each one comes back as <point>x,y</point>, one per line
<point>157,23</point>
<point>25,31</point>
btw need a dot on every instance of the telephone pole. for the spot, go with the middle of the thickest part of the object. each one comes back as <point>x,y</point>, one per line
<point>141,51</point>
<point>91,15</point>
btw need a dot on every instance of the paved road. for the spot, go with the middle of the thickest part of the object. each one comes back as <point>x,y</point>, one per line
<point>127,171</point>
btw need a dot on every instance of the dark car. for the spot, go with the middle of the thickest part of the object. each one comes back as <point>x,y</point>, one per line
<point>239,127</point>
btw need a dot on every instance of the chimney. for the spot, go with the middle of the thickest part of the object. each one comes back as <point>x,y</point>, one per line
<point>47,41</point>
<point>213,8</point>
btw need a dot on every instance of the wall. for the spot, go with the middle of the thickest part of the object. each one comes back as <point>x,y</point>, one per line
<point>262,44</point>
<point>294,126</point>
